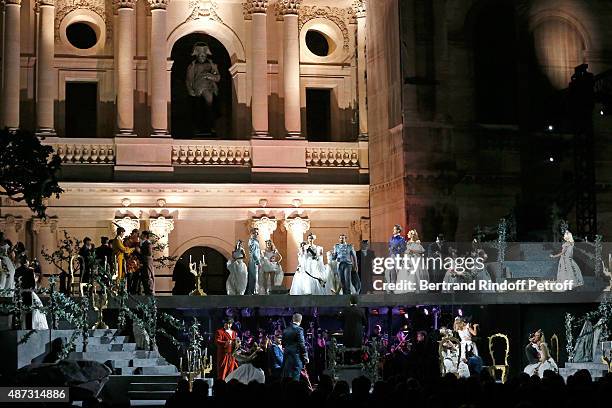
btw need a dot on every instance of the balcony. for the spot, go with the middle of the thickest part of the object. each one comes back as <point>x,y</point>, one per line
<point>248,158</point>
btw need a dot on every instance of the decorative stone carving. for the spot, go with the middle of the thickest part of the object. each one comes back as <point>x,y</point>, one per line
<point>339,16</point>
<point>331,157</point>
<point>38,224</point>
<point>11,226</point>
<point>125,4</point>
<point>265,225</point>
<point>162,227</point>
<point>251,7</point>
<point>206,9</point>
<point>161,202</point>
<point>126,202</point>
<point>359,7</point>
<point>297,225</point>
<point>158,4</point>
<point>100,7</point>
<point>284,7</point>
<point>127,223</point>
<point>220,155</point>
<point>17,2</point>
<point>44,3</point>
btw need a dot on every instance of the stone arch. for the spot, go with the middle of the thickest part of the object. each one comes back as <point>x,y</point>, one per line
<point>220,31</point>
<point>551,14</point>
<point>224,247</point>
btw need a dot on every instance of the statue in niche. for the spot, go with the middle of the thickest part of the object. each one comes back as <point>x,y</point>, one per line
<point>201,80</point>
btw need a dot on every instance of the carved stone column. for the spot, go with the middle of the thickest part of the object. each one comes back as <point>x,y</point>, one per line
<point>291,67</point>
<point>11,64</point>
<point>359,7</point>
<point>162,227</point>
<point>45,88</point>
<point>266,227</point>
<point>257,9</point>
<point>157,68</point>
<point>296,227</point>
<point>127,223</point>
<point>11,227</point>
<point>125,66</point>
<point>45,237</point>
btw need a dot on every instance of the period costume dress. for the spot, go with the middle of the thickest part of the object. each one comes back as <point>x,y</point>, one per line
<point>120,251</point>
<point>237,281</point>
<point>301,283</point>
<point>294,353</point>
<point>415,269</point>
<point>466,340</point>
<point>7,269</point>
<point>226,361</point>
<point>397,246</point>
<point>270,266</point>
<point>247,370</point>
<point>315,283</point>
<point>568,269</point>
<point>38,320</point>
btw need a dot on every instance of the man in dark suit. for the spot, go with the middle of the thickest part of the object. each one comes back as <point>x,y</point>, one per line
<point>25,275</point>
<point>532,350</point>
<point>365,259</point>
<point>147,271</point>
<point>85,260</point>
<point>294,353</point>
<point>437,250</point>
<point>354,320</point>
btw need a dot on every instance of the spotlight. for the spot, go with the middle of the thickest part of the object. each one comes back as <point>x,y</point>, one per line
<point>551,159</point>
<point>551,128</point>
<point>601,112</point>
<point>406,316</point>
<point>460,312</point>
<point>426,312</point>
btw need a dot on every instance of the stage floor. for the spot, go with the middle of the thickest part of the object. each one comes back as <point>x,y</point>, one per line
<point>375,300</point>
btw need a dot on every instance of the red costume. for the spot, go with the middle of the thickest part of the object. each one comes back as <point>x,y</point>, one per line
<point>226,362</point>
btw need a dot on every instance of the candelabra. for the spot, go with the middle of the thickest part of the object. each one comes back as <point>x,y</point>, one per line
<point>197,270</point>
<point>197,366</point>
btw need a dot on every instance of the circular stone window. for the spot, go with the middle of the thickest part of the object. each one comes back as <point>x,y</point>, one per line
<point>317,43</point>
<point>81,35</point>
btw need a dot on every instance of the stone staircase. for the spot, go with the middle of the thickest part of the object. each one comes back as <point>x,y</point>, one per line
<point>597,370</point>
<point>145,378</point>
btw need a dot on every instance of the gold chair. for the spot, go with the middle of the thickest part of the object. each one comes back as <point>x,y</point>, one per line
<point>494,367</point>
<point>554,346</point>
<point>441,356</point>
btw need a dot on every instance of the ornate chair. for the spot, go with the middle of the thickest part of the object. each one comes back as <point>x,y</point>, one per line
<point>554,347</point>
<point>442,356</point>
<point>495,367</point>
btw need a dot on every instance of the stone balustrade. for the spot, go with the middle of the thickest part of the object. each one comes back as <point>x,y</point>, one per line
<point>209,153</point>
<point>332,155</point>
<point>85,151</point>
<point>238,153</point>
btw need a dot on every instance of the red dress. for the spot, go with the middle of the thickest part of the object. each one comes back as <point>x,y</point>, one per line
<point>226,362</point>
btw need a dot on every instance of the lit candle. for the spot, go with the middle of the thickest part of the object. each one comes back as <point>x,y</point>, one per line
<point>181,364</point>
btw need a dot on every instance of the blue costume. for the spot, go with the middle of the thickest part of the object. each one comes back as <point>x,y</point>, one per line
<point>397,246</point>
<point>344,254</point>
<point>254,262</point>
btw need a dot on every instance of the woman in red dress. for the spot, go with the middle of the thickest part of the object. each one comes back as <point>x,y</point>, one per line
<point>225,339</point>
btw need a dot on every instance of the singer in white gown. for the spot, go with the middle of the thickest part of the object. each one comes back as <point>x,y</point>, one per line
<point>7,268</point>
<point>466,331</point>
<point>271,270</point>
<point>237,281</point>
<point>415,270</point>
<point>546,363</point>
<point>568,270</point>
<point>309,279</point>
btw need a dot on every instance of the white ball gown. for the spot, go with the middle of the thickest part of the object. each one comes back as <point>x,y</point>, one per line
<point>237,281</point>
<point>246,372</point>
<point>269,267</point>
<point>540,367</point>
<point>310,270</point>
<point>568,269</point>
<point>414,271</point>
<point>466,340</point>
<point>39,319</point>
<point>7,269</point>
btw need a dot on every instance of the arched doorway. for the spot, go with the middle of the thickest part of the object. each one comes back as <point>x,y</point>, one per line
<point>215,274</point>
<point>188,120</point>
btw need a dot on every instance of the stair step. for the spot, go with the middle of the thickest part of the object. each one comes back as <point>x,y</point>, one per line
<point>162,369</point>
<point>148,362</point>
<point>588,365</point>
<point>103,356</point>
<point>104,340</point>
<point>107,347</point>
<point>150,395</point>
<point>148,386</point>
